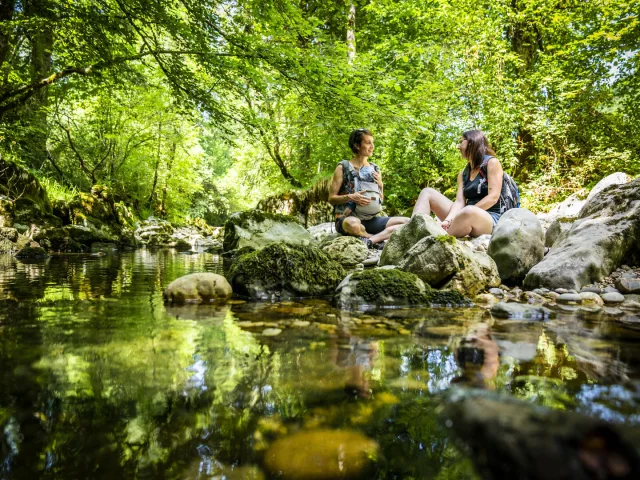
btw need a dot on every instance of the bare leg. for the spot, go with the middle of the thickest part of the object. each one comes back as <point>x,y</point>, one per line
<point>472,221</point>
<point>432,200</point>
<point>393,224</point>
<point>353,226</point>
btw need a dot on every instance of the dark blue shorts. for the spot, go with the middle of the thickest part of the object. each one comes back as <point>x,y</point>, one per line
<point>373,226</point>
<point>495,216</point>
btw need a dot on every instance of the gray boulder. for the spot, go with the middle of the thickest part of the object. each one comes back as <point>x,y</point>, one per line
<point>517,244</point>
<point>557,230</point>
<point>444,262</point>
<point>198,288</point>
<point>347,251</point>
<point>323,233</point>
<point>257,229</point>
<point>606,233</point>
<point>405,237</point>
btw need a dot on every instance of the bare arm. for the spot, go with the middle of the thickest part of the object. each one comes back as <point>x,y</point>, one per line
<point>458,204</point>
<point>334,189</point>
<point>494,180</point>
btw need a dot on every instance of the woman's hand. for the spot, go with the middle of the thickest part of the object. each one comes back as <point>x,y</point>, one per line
<point>359,198</point>
<point>378,178</point>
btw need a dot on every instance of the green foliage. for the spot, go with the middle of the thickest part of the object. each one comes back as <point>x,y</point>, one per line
<point>195,109</point>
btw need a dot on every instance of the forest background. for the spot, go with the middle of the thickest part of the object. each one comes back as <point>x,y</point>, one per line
<point>197,108</point>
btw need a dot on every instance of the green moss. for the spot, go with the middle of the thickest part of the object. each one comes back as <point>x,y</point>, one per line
<point>372,284</point>
<point>446,239</point>
<point>278,265</point>
<point>446,297</point>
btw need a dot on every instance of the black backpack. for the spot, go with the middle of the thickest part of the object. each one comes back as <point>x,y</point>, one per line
<point>510,194</point>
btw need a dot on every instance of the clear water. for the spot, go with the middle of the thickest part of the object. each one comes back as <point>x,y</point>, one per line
<point>98,379</point>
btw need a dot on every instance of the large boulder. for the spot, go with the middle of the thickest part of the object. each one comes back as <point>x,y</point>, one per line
<point>390,287</point>
<point>557,230</point>
<point>404,238</point>
<point>74,238</point>
<point>517,244</point>
<point>444,262</point>
<point>257,229</point>
<point>323,233</point>
<point>154,232</point>
<point>347,251</point>
<point>285,271</point>
<point>198,288</point>
<point>605,235</point>
<point>322,455</point>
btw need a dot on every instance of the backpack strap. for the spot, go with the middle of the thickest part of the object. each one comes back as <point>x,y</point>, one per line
<point>483,166</point>
<point>349,172</point>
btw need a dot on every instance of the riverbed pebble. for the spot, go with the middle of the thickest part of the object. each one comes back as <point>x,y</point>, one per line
<point>590,298</point>
<point>569,298</point>
<point>534,298</point>
<point>496,291</point>
<point>612,298</point>
<point>614,312</point>
<point>520,311</point>
<point>631,305</point>
<point>591,288</point>
<point>610,290</point>
<point>271,332</point>
<point>561,290</point>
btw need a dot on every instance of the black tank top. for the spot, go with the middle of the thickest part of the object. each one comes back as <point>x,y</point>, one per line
<point>476,189</point>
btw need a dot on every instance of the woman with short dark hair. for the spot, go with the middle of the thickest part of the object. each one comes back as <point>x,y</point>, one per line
<point>357,193</point>
<point>476,208</point>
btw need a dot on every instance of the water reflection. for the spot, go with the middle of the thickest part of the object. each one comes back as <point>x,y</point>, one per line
<point>99,379</point>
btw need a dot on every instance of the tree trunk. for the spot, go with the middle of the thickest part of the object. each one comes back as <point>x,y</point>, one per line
<point>172,156</point>
<point>41,54</point>
<point>7,8</point>
<point>155,173</point>
<point>351,32</point>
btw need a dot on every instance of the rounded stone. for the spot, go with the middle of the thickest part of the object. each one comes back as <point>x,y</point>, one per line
<point>561,290</point>
<point>569,298</point>
<point>198,288</point>
<point>271,332</point>
<point>591,288</point>
<point>590,298</point>
<point>610,290</point>
<point>496,291</point>
<point>321,454</point>
<point>612,298</point>
<point>485,299</point>
<point>628,285</point>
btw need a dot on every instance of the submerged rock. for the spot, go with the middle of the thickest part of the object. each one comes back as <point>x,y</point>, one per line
<point>521,311</point>
<point>510,438</point>
<point>347,251</point>
<point>285,271</point>
<point>31,252</point>
<point>257,229</point>
<point>517,244</point>
<point>198,288</point>
<point>322,455</point>
<point>605,235</point>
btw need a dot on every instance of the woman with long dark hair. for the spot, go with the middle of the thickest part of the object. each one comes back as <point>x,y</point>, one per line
<point>476,208</point>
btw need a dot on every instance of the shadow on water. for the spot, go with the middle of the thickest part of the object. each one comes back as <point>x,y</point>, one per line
<point>99,380</point>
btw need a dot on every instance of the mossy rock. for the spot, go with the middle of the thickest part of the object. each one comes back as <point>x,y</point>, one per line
<point>285,271</point>
<point>182,245</point>
<point>347,251</point>
<point>257,229</point>
<point>390,287</point>
<point>31,253</point>
<point>14,178</point>
<point>322,455</point>
<point>6,212</point>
